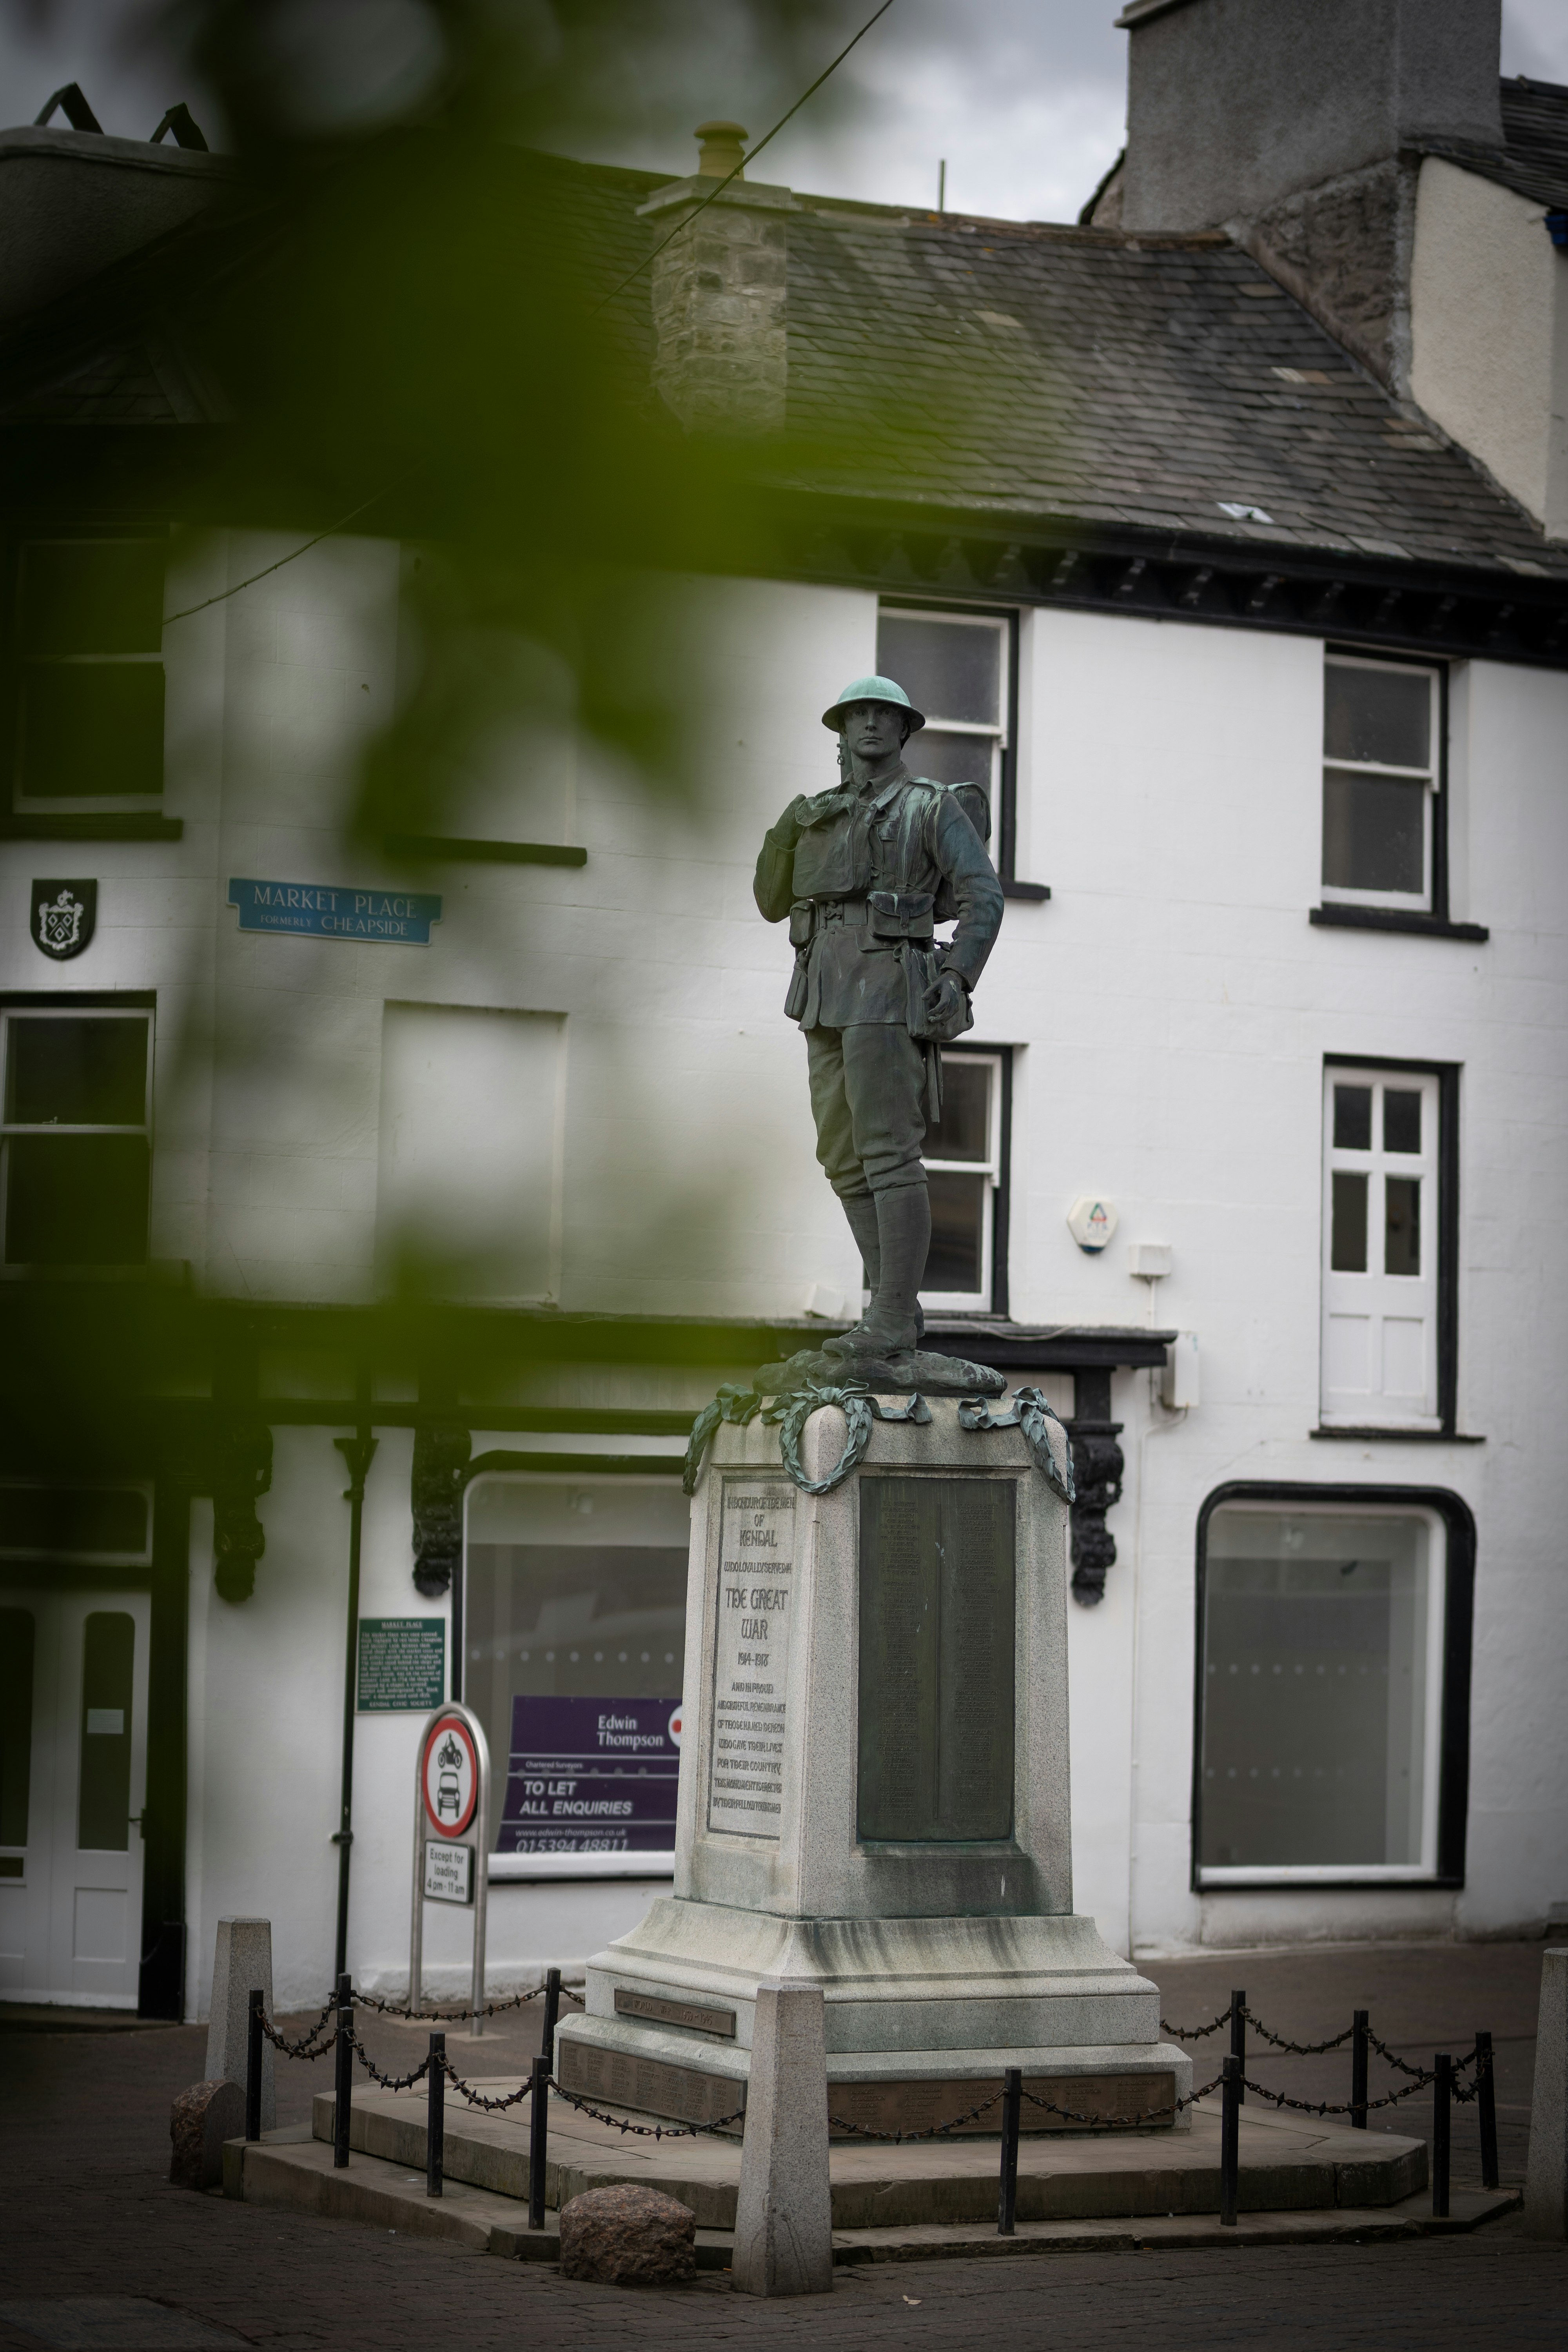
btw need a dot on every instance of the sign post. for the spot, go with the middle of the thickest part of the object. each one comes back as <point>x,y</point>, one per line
<point>451,1817</point>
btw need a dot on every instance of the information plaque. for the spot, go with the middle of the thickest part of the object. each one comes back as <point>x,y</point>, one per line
<point>937,1640</point>
<point>402,1664</point>
<point>750,1671</point>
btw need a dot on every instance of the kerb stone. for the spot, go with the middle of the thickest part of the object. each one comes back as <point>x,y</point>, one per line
<point>784,2214</point>
<point>1546,2180</point>
<point>243,1958</point>
<point>628,2237</point>
<point>200,2120</point>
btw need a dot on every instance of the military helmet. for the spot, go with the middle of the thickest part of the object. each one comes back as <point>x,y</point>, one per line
<point>872,689</point>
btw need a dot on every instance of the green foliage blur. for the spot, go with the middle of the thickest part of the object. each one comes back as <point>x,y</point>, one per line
<point>412,305</point>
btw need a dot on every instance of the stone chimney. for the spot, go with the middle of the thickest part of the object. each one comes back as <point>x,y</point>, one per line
<point>721,360</point>
<point>1297,125</point>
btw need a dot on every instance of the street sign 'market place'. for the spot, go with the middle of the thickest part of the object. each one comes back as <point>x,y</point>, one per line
<point>322,911</point>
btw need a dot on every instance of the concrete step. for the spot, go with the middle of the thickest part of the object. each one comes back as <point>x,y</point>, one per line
<point>1289,2164</point>
<point>292,2170</point>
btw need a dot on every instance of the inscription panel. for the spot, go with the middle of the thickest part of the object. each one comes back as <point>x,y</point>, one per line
<point>754,1603</point>
<point>1114,2101</point>
<point>938,1615</point>
<point>662,2012</point>
<point>651,2086</point>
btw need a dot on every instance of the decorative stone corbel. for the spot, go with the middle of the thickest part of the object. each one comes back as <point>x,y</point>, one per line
<point>242,1473</point>
<point>1098,1464</point>
<point>441,1452</point>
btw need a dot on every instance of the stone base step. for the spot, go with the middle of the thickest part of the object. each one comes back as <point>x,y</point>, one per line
<point>291,2171</point>
<point>1289,2164</point>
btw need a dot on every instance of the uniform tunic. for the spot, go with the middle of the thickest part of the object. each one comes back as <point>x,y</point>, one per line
<point>861,876</point>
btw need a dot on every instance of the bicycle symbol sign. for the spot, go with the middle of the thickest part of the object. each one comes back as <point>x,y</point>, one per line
<point>449,1776</point>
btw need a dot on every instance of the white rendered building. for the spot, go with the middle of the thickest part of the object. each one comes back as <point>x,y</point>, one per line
<point>1243,592</point>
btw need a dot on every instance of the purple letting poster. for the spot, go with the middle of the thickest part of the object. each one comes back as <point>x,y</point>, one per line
<point>592,1775</point>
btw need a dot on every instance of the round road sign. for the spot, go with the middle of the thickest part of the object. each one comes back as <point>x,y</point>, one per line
<point>449,1776</point>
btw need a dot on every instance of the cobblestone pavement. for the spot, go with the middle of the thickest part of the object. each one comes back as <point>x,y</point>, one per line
<point>84,2152</point>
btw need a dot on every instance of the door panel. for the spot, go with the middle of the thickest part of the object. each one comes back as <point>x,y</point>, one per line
<point>71,1910</point>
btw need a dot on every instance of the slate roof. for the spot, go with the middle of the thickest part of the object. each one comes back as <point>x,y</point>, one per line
<point>1062,376</point>
<point>1533,160</point>
<point>1140,381</point>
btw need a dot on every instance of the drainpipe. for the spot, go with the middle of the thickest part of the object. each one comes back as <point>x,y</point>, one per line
<point>358,1452</point>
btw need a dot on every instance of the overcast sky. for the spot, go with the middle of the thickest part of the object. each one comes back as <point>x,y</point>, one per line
<point>1023,98</point>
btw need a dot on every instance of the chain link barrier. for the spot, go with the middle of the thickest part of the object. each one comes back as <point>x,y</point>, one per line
<point>903,2139</point>
<point>312,2045</point>
<point>1127,2123</point>
<point>454,2016</point>
<point>646,2131</point>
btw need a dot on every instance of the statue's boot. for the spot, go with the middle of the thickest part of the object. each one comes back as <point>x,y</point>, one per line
<point>860,1210</point>
<point>894,1322</point>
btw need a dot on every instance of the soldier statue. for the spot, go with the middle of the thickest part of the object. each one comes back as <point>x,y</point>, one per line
<point>864,874</point>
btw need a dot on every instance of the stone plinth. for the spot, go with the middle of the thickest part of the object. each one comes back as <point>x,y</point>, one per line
<point>874,1799</point>
<point>242,1960</point>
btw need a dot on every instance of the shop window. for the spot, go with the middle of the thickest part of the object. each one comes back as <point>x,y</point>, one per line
<point>573,1640</point>
<point>1384,1228</point>
<point>1381,808</point>
<point>966,1165</point>
<point>76,1135</point>
<point>89,675</point>
<point>957,669</point>
<point>17,1646</point>
<point>1333,1685</point>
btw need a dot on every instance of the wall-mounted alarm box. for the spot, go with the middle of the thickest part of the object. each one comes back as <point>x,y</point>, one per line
<point>1091,1220</point>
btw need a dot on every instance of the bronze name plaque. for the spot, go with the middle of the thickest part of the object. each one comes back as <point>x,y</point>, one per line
<point>653,2005</point>
<point>936,1639</point>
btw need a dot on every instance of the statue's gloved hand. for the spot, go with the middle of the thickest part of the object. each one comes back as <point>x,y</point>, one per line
<point>947,1007</point>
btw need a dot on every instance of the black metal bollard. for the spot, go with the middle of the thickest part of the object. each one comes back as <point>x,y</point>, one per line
<point>1443,2067</point>
<point>1486,2104</point>
<point>346,2072</point>
<point>551,2013</point>
<point>1012,2119</point>
<point>1238,2040</point>
<point>436,2116</point>
<point>537,2142</point>
<point>1358,2070</point>
<point>1229,2141</point>
<point>253,2064</point>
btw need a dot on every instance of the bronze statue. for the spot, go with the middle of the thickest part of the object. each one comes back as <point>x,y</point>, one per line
<point>864,872</point>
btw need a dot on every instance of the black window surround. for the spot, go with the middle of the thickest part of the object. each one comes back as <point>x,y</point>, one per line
<point>1448,1076</point>
<point>1430,922</point>
<point>1001,1204</point>
<point>1004,848</point>
<point>1454,1738</point>
<point>69,825</point>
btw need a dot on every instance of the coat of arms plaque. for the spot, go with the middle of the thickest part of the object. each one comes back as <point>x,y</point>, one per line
<point>63,919</point>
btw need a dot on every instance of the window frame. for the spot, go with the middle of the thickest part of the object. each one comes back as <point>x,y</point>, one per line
<point>58,1007</point>
<point>1453,1736</point>
<point>991,1299</point>
<point>1445,1229</point>
<point>1431,902</point>
<point>36,808</point>
<point>551,1868</point>
<point>1003,811</point>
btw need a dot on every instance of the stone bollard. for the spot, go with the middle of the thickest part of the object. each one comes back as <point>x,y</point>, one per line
<point>783,2216</point>
<point>1546,2180</point>
<point>243,1958</point>
<point>200,2121</point>
<point>627,2237</point>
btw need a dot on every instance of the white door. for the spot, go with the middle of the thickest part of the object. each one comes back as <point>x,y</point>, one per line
<point>73,1777</point>
<point>1380,1248</point>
